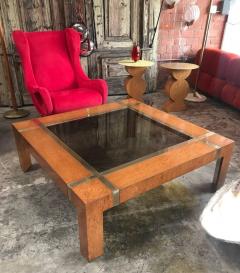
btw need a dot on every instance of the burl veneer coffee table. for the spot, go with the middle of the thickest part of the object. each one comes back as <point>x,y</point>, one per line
<point>105,155</point>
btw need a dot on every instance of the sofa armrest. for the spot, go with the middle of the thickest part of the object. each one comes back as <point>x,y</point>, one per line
<point>99,85</point>
<point>42,100</point>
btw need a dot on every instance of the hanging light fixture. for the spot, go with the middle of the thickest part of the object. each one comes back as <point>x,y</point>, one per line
<point>171,3</point>
<point>191,15</point>
<point>87,45</point>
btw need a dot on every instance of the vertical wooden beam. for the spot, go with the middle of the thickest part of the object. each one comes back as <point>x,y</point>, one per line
<point>7,70</point>
<point>10,21</point>
<point>57,13</point>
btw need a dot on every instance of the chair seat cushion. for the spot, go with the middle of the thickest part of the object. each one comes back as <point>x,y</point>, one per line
<point>67,100</point>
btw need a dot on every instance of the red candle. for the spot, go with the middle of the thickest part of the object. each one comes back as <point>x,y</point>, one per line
<point>135,52</point>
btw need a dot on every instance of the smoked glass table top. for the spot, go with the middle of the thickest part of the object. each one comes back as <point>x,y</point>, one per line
<point>114,138</point>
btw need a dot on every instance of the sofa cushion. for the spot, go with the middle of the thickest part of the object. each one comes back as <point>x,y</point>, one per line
<point>67,100</point>
<point>204,81</point>
<point>229,94</point>
<point>236,101</point>
<point>216,86</point>
<point>233,72</point>
<point>215,62</point>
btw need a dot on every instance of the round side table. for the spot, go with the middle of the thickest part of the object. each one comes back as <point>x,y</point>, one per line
<point>177,88</point>
<point>134,84</point>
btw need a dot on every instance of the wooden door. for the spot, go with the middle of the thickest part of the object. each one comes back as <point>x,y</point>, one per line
<point>116,25</point>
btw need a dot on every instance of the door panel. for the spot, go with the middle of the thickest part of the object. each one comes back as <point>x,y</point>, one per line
<point>114,73</point>
<point>112,68</point>
<point>116,23</point>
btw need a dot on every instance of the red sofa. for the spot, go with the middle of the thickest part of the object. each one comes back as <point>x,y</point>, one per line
<point>219,76</point>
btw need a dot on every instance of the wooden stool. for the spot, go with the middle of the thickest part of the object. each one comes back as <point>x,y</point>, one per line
<point>177,88</point>
<point>134,84</point>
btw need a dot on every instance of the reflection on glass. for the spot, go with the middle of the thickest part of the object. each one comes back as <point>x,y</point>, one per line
<point>111,139</point>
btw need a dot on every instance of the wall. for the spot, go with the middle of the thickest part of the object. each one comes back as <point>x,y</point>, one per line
<point>174,42</point>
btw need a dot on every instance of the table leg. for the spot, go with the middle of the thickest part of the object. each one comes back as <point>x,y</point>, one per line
<point>221,169</point>
<point>23,151</point>
<point>134,84</point>
<point>176,88</point>
<point>90,221</point>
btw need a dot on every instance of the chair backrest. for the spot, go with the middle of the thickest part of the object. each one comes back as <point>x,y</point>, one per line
<point>47,59</point>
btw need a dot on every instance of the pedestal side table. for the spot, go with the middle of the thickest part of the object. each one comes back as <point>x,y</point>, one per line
<point>176,87</point>
<point>134,84</point>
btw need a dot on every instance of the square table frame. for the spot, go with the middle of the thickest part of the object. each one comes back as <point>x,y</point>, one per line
<point>92,192</point>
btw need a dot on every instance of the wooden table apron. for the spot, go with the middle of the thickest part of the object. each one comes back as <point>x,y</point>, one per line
<point>92,192</point>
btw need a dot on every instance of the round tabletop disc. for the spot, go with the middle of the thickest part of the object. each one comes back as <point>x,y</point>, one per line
<point>179,66</point>
<point>140,63</point>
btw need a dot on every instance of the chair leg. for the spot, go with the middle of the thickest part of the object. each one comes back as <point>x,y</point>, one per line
<point>90,219</point>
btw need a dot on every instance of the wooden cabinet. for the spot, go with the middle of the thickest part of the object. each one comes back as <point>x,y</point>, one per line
<point>114,26</point>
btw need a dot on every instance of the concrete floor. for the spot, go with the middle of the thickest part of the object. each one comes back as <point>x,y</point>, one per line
<point>158,232</point>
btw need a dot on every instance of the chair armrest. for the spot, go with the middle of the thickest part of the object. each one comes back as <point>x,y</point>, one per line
<point>42,100</point>
<point>99,85</point>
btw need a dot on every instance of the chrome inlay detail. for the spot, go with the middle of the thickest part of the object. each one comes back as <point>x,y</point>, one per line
<point>215,146</point>
<point>115,191</point>
<point>27,129</point>
<point>77,183</point>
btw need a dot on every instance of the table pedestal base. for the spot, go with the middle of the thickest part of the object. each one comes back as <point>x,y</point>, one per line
<point>171,106</point>
<point>176,88</point>
<point>134,84</point>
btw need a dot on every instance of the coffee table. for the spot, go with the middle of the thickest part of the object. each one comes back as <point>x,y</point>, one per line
<point>105,155</point>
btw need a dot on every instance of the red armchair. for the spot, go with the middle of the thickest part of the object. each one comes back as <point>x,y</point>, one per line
<point>52,72</point>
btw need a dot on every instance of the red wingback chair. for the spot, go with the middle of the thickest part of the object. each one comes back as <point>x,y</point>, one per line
<point>52,72</point>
